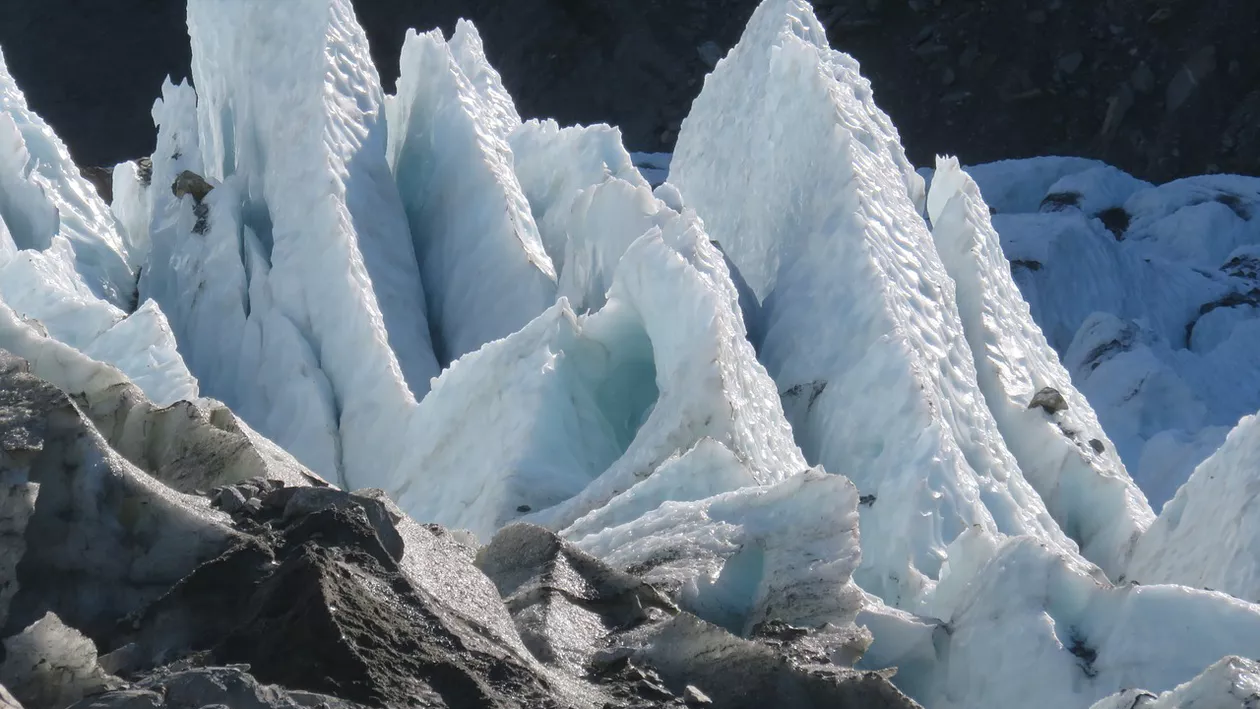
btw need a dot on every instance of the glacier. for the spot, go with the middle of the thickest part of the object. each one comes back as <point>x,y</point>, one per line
<point>895,407</point>
<point>988,433</point>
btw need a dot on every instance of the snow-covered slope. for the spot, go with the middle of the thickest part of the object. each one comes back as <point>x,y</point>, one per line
<point>1037,629</point>
<point>801,179</point>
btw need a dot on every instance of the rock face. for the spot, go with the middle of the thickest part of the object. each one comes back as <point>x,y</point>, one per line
<point>1161,89</point>
<point>103,538</point>
<point>275,595</point>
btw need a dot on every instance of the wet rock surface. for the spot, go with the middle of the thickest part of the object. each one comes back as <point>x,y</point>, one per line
<point>1160,89</point>
<point>262,593</point>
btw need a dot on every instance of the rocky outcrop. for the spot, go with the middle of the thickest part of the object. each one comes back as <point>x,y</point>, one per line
<point>273,593</point>
<point>103,538</point>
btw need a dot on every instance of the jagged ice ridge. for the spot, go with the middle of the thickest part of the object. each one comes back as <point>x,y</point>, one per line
<point>929,418</point>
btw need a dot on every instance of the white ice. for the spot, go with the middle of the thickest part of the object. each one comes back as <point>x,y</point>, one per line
<point>1231,683</point>
<point>1207,535</point>
<point>802,180</point>
<point>485,270</point>
<point>1065,454</point>
<point>43,197</point>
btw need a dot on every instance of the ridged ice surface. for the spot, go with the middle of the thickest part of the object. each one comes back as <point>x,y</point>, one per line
<point>1064,452</point>
<point>859,325</point>
<point>791,383</point>
<point>1206,536</point>
<point>485,271</point>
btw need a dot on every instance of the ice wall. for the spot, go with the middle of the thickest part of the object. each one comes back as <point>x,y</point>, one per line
<point>800,177</point>
<point>485,270</point>
<point>1060,445</point>
<point>299,126</point>
<point>43,197</point>
<point>554,165</point>
<point>585,408</point>
<point>1207,535</point>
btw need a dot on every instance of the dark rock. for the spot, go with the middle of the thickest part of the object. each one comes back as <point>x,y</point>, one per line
<point>1058,201</point>
<point>1233,299</point>
<point>1243,266</point>
<point>1069,63</point>
<point>203,688</point>
<point>144,171</point>
<point>230,500</point>
<point>1142,79</point>
<point>1116,220</point>
<point>317,597</point>
<point>201,211</point>
<point>1192,73</point>
<point>189,182</point>
<point>1098,446</point>
<point>1049,400</point>
<point>102,178</point>
<point>577,613</point>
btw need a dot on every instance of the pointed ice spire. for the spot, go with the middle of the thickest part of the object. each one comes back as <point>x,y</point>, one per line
<point>802,180</point>
<point>43,196</point>
<point>486,272</point>
<point>1062,450</point>
<point>290,106</point>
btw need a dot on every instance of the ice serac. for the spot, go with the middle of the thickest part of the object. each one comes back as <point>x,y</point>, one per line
<point>555,165</point>
<point>43,197</point>
<point>800,177</point>
<point>583,408</point>
<point>1207,535</point>
<point>1148,296</point>
<point>486,272</point>
<point>1029,607</point>
<point>745,556</point>
<point>298,123</point>
<point>1060,446</point>
<point>1232,683</point>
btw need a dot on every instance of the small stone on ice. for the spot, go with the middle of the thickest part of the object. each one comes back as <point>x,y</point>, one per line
<point>1097,445</point>
<point>1050,400</point>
